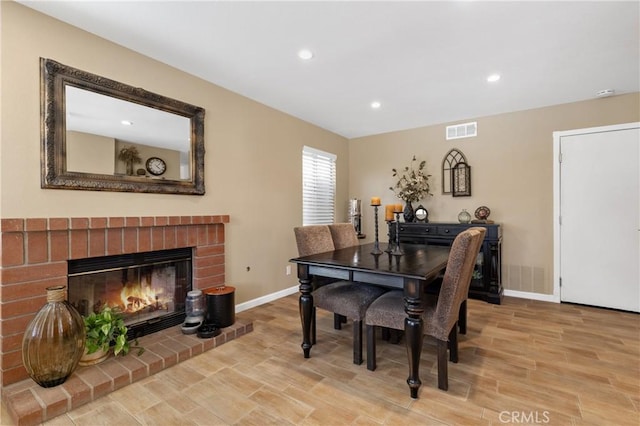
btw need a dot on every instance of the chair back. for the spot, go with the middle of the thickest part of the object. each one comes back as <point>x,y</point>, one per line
<point>343,235</point>
<point>456,280</point>
<point>313,239</point>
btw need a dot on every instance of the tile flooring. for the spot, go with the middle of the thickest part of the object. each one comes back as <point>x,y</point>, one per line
<point>520,362</point>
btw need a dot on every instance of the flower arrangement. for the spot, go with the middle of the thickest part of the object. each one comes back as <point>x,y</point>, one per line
<point>413,182</point>
<point>130,156</point>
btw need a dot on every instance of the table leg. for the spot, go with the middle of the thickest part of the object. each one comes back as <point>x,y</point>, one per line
<point>305,304</point>
<point>414,329</point>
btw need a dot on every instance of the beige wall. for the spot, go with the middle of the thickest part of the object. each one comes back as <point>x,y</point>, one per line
<point>511,169</point>
<point>90,153</point>
<point>253,160</point>
<point>253,153</point>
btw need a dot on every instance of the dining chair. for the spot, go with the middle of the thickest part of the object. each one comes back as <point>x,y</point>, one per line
<point>343,235</point>
<point>441,313</point>
<point>343,298</point>
<point>434,289</point>
<point>314,239</point>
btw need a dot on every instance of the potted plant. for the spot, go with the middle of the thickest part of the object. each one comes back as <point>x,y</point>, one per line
<point>130,156</point>
<point>412,186</point>
<point>103,330</point>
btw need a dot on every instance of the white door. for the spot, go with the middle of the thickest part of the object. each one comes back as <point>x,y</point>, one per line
<point>600,218</point>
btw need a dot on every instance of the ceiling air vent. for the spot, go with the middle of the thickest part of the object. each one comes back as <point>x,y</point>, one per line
<point>464,130</point>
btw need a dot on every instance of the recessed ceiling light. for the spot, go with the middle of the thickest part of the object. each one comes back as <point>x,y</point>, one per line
<point>126,123</point>
<point>493,78</point>
<point>305,54</point>
<point>375,104</point>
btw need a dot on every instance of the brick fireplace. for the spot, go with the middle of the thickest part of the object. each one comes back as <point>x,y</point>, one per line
<point>34,254</point>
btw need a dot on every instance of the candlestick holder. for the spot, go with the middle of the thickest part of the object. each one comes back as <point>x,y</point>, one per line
<point>376,244</point>
<point>397,251</point>
<point>391,243</point>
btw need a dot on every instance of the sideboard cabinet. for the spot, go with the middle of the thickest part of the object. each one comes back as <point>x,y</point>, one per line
<point>486,283</point>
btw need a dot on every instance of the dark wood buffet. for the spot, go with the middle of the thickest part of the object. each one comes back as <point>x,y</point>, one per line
<point>486,283</point>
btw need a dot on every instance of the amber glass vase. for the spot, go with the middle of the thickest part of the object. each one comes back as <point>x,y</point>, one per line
<point>54,340</point>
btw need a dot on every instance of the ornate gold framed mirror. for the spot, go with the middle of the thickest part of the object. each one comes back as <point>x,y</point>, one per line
<point>99,134</point>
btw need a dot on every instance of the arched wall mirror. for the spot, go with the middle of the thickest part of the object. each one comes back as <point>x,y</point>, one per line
<point>102,135</point>
<point>449,162</point>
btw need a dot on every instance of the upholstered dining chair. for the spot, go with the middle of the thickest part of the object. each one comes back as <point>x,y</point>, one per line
<point>441,313</point>
<point>311,240</point>
<point>434,289</point>
<point>343,298</point>
<point>343,235</point>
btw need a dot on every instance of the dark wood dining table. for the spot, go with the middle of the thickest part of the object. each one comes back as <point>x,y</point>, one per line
<point>412,271</point>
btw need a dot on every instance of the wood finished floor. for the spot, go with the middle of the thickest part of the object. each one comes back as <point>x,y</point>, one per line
<point>520,362</point>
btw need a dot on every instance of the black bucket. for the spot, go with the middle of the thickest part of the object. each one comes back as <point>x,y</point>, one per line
<point>221,306</point>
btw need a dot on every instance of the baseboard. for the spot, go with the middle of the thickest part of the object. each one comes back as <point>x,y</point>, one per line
<point>533,296</point>
<point>266,299</point>
<point>291,290</point>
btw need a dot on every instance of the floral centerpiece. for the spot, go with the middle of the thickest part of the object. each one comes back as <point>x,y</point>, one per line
<point>412,185</point>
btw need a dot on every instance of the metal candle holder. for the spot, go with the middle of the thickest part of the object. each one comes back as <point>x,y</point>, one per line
<point>376,244</point>
<point>397,251</point>
<point>391,242</point>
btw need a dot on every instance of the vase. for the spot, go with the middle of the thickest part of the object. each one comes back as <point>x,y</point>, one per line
<point>408,212</point>
<point>54,340</point>
<point>464,216</point>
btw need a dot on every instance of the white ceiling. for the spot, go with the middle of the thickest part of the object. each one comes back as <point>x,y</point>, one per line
<point>426,62</point>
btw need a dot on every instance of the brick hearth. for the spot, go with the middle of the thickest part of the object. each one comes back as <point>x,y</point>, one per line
<point>30,404</point>
<point>35,251</point>
<point>34,254</point>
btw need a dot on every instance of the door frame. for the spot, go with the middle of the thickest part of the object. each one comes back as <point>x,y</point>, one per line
<point>556,191</point>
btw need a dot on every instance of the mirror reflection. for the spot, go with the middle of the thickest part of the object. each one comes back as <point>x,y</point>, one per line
<point>100,128</point>
<point>99,134</point>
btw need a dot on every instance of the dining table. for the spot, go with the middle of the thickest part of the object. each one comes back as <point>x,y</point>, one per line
<point>410,267</point>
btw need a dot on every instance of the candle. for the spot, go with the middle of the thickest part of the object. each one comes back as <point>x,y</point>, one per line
<point>375,201</point>
<point>398,208</point>
<point>388,212</point>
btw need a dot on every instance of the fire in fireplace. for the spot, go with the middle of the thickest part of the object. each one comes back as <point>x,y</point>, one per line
<point>149,288</point>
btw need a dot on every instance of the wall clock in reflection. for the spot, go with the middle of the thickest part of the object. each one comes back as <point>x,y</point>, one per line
<point>156,166</point>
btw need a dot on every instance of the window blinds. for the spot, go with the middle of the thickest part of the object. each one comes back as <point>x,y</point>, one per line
<point>318,186</point>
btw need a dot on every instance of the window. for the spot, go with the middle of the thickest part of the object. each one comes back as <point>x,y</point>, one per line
<point>318,186</point>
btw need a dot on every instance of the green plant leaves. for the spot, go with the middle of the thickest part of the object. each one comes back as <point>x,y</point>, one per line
<point>104,329</point>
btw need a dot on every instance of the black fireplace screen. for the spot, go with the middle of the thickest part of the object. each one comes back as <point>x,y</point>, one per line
<point>149,288</point>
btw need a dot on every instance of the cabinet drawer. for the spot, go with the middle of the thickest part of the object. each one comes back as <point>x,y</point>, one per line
<point>449,231</point>
<point>418,230</point>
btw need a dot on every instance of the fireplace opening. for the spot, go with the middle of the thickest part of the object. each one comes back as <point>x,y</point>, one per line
<point>149,288</point>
